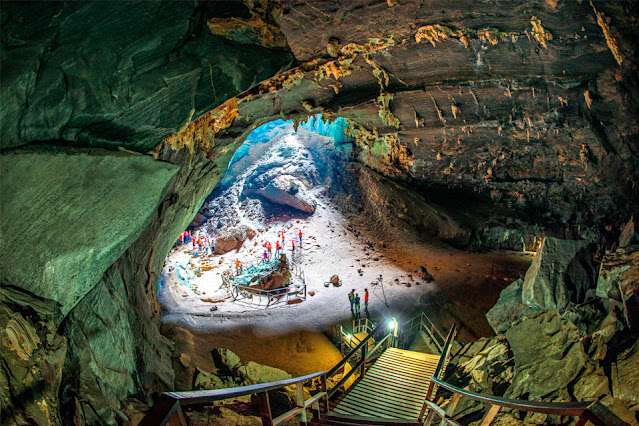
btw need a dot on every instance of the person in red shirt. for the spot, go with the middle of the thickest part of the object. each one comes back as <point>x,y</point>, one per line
<point>238,266</point>
<point>277,248</point>
<point>293,247</point>
<point>300,235</point>
<point>268,249</point>
<point>366,299</point>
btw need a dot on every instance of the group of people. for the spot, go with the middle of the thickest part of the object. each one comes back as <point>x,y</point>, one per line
<point>268,247</point>
<point>197,242</point>
<point>354,299</point>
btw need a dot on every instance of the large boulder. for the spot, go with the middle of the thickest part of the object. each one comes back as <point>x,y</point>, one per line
<point>207,381</point>
<point>288,191</point>
<point>547,352</point>
<point>225,360</point>
<point>62,230</point>
<point>257,373</point>
<point>490,370</point>
<point>508,308</point>
<point>561,272</point>
<point>233,238</point>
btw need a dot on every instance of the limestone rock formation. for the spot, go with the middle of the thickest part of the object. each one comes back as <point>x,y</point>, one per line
<point>288,191</point>
<point>508,308</point>
<point>105,200</point>
<point>546,347</point>
<point>257,373</point>
<point>625,375</point>
<point>32,355</point>
<point>232,238</point>
<point>225,360</point>
<point>207,381</point>
<point>619,280</point>
<point>561,273</point>
<point>284,176</point>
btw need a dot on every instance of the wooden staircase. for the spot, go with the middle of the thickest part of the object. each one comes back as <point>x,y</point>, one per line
<point>393,388</point>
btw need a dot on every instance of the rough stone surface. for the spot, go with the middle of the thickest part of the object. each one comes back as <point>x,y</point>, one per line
<point>121,74</point>
<point>257,373</point>
<point>563,357</point>
<point>232,238</point>
<point>207,381</point>
<point>508,308</point>
<point>619,280</point>
<point>628,234</point>
<point>73,214</point>
<point>561,273</point>
<point>625,375</point>
<point>31,358</point>
<point>225,360</point>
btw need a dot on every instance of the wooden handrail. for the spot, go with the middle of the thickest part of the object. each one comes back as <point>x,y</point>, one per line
<point>202,397</point>
<point>169,403</point>
<point>344,360</point>
<point>592,411</point>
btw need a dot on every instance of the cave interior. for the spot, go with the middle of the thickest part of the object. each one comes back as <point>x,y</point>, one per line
<point>471,163</point>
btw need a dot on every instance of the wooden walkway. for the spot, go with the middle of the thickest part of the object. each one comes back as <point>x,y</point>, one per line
<point>393,388</point>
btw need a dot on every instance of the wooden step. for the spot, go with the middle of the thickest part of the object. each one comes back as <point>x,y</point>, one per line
<point>341,420</point>
<point>393,389</point>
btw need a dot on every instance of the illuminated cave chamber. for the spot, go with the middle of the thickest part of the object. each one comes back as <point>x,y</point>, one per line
<point>278,173</point>
<point>278,177</point>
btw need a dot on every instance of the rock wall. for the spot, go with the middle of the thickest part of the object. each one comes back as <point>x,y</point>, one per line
<point>582,352</point>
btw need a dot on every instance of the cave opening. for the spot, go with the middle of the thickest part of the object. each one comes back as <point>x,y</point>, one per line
<point>222,287</point>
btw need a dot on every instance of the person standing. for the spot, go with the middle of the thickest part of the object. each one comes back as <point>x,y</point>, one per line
<point>238,266</point>
<point>282,238</point>
<point>366,299</point>
<point>300,235</point>
<point>293,247</point>
<point>268,248</point>
<point>357,306</point>
<point>351,298</point>
<point>265,256</point>
<point>277,248</point>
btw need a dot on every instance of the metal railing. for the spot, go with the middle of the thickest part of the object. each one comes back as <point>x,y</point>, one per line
<point>258,295</point>
<point>421,322</point>
<point>168,408</point>
<point>361,325</point>
<point>592,412</point>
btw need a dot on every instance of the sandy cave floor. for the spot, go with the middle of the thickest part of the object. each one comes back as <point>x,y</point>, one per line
<point>466,285</point>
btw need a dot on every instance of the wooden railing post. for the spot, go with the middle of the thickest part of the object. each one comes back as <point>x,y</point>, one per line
<point>450,412</point>
<point>324,401</point>
<point>265,408</point>
<point>490,415</point>
<point>178,418</point>
<point>299,393</point>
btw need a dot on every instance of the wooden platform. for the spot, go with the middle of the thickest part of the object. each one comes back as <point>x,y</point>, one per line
<point>393,388</point>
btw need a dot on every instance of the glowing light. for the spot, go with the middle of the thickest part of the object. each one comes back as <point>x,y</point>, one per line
<point>392,323</point>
